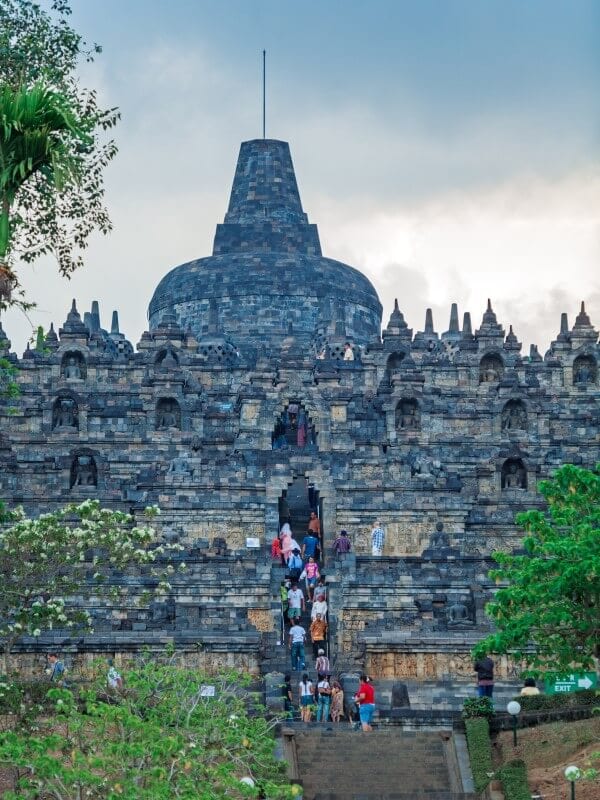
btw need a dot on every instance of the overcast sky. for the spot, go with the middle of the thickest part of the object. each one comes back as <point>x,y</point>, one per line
<point>448,149</point>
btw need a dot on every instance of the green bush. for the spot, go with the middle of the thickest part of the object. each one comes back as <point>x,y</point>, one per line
<point>15,695</point>
<point>551,702</point>
<point>478,707</point>
<point>480,751</point>
<point>514,781</point>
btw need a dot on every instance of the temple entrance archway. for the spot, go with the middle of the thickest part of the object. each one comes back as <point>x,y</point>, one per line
<point>296,504</point>
<point>294,428</point>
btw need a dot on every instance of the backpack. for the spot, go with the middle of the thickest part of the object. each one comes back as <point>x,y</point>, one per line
<point>295,562</point>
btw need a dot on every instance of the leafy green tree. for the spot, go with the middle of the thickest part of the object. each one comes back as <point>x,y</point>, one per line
<point>47,560</point>
<point>552,597</point>
<point>162,736</point>
<point>52,197</point>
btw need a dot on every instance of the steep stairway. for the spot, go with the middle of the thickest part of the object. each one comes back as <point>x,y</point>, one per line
<point>390,764</point>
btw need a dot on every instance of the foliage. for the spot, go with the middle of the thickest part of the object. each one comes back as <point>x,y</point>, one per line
<point>478,707</point>
<point>8,386</point>
<point>514,781</point>
<point>543,702</point>
<point>159,738</point>
<point>480,751</point>
<point>46,560</point>
<point>552,600</point>
<point>52,205</point>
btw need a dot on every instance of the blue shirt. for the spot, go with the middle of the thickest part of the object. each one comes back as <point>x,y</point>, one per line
<point>310,545</point>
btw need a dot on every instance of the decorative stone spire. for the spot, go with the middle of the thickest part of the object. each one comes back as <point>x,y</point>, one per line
<point>114,323</point>
<point>429,322</point>
<point>534,353</point>
<point>397,324</point>
<point>4,341</point>
<point>511,342</point>
<point>468,342</point>
<point>426,339</point>
<point>95,316</point>
<point>169,328</point>
<point>467,329</point>
<point>453,332</point>
<point>51,341</point>
<point>489,317</point>
<point>28,354</point>
<point>490,329</point>
<point>582,320</point>
<point>564,335</point>
<point>453,318</point>
<point>583,331</point>
<point>73,326</point>
<point>265,211</point>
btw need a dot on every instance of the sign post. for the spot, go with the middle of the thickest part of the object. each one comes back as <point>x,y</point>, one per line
<point>575,682</point>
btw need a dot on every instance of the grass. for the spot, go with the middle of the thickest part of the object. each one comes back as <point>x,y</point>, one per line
<point>544,751</point>
<point>549,744</point>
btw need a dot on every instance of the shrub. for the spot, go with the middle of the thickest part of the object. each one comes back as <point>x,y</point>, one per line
<point>514,781</point>
<point>550,702</point>
<point>16,696</point>
<point>478,707</point>
<point>480,751</point>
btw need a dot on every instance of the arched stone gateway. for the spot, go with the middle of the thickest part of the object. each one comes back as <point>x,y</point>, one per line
<point>294,428</point>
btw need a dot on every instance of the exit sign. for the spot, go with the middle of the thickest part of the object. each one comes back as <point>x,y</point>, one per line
<point>575,682</point>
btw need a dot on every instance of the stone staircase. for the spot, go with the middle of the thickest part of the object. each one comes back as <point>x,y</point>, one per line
<point>337,763</point>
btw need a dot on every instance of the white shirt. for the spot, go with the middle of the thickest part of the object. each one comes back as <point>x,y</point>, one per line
<point>319,607</point>
<point>295,598</point>
<point>323,685</point>
<point>305,688</point>
<point>297,634</point>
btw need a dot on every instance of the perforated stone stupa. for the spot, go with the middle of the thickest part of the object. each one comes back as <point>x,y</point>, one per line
<point>265,387</point>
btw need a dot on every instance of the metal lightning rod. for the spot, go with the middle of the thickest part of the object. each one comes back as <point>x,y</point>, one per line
<point>264,103</point>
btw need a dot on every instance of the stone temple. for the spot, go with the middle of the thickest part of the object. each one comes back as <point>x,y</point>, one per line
<point>266,386</point>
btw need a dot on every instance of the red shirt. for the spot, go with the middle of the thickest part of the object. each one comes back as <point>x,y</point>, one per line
<point>367,690</point>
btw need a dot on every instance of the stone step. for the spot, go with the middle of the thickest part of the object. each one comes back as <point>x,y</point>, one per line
<point>337,762</point>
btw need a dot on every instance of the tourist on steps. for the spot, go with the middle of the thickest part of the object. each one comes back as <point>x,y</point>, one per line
<point>288,699</point>
<point>314,525</point>
<point>320,592</point>
<point>306,698</point>
<point>377,539</point>
<point>337,701</point>
<point>484,667</point>
<point>365,697</point>
<point>297,637</point>
<point>342,544</point>
<point>295,564</point>
<point>323,699</point>
<point>311,574</point>
<point>310,544</point>
<point>322,663</point>
<point>296,603</point>
<point>285,537</point>
<point>319,607</point>
<point>318,634</point>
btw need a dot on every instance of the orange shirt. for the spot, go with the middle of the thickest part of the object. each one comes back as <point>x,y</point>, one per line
<point>318,629</point>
